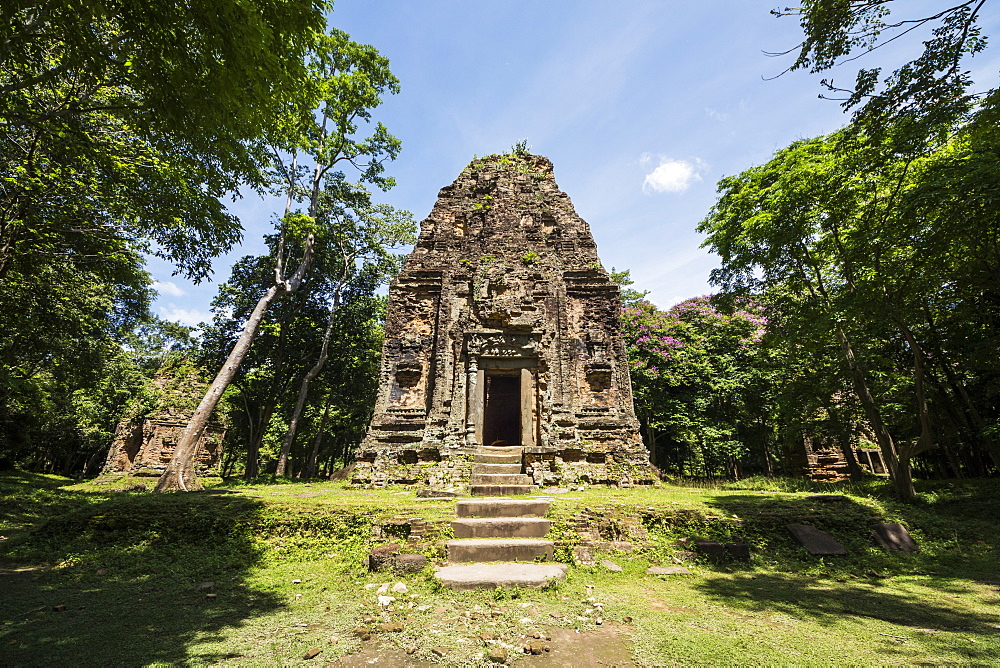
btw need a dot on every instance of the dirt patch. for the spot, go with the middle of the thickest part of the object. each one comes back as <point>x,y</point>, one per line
<point>373,655</point>
<point>603,646</point>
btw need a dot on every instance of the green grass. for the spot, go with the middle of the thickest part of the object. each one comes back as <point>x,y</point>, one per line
<point>127,567</point>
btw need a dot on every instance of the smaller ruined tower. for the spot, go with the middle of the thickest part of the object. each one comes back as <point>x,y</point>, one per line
<point>503,327</point>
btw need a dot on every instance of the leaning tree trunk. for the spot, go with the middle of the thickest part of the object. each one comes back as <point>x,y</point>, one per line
<point>180,474</point>
<point>901,478</point>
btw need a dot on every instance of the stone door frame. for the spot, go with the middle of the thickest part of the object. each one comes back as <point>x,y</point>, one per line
<point>507,352</point>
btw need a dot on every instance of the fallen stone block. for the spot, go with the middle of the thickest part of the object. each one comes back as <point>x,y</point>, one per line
<point>382,557</point>
<point>738,551</point>
<point>407,564</point>
<point>816,542</point>
<point>894,536</point>
<point>711,550</point>
<point>427,493</point>
<point>611,566</point>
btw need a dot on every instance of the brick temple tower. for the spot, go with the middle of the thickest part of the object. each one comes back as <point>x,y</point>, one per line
<point>503,327</point>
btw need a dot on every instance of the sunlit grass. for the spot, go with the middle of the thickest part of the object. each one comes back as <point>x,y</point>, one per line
<point>128,567</point>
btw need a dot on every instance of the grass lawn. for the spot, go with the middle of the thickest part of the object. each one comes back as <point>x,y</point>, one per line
<point>268,574</point>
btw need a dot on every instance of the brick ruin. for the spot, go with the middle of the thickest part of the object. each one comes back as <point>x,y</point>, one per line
<point>503,328</point>
<point>143,445</point>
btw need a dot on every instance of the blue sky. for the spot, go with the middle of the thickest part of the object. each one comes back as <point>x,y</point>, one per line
<point>642,106</point>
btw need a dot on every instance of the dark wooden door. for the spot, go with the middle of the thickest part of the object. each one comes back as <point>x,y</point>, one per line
<point>502,410</point>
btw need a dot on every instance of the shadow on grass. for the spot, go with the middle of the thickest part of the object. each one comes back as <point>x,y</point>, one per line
<point>925,608</point>
<point>117,578</point>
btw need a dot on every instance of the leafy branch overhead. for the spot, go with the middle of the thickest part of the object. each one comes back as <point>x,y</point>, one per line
<point>921,98</point>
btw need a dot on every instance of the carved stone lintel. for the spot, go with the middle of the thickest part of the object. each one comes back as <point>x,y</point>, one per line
<point>501,344</point>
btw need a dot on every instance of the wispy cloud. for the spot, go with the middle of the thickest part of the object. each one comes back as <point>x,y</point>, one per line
<point>168,288</point>
<point>185,316</point>
<point>671,175</point>
<point>715,114</point>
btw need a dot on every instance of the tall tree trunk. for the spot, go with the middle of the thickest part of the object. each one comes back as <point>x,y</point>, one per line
<point>926,440</point>
<point>310,471</point>
<point>901,478</point>
<point>300,402</point>
<point>180,474</point>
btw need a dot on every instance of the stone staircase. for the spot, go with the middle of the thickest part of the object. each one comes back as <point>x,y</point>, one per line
<point>496,471</point>
<point>494,530</point>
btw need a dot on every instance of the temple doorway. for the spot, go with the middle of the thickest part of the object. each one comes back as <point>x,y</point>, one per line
<point>502,410</point>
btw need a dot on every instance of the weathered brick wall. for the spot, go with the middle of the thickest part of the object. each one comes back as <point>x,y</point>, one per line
<point>505,279</point>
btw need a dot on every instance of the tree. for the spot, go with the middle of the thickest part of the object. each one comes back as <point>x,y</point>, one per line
<point>347,79</point>
<point>360,237</point>
<point>124,127</point>
<point>694,370</point>
<point>912,105</point>
<point>862,255</point>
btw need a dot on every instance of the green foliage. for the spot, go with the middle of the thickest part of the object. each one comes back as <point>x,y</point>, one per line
<point>122,132</point>
<point>850,250</point>
<point>529,258</point>
<point>298,226</point>
<point>694,371</point>
<point>623,279</point>
<point>925,97</point>
<point>354,255</point>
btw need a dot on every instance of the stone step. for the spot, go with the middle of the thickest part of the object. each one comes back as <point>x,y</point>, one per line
<point>496,468</point>
<point>492,549</point>
<point>500,449</point>
<point>506,527</point>
<point>490,458</point>
<point>500,479</point>
<point>490,576</point>
<point>501,508</point>
<point>501,490</point>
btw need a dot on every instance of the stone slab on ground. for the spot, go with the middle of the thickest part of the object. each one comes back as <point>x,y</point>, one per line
<point>816,542</point>
<point>738,551</point>
<point>667,570</point>
<point>894,536</point>
<point>827,498</point>
<point>491,576</point>
<point>429,493</point>
<point>501,508</point>
<point>611,566</point>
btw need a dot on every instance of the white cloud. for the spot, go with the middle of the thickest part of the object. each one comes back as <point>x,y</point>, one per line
<point>168,288</point>
<point>185,316</point>
<point>715,114</point>
<point>672,176</point>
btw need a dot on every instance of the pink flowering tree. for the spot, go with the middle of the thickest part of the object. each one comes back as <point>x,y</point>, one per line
<point>698,383</point>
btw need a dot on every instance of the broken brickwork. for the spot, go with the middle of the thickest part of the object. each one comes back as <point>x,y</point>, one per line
<point>503,328</point>
<point>144,445</point>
